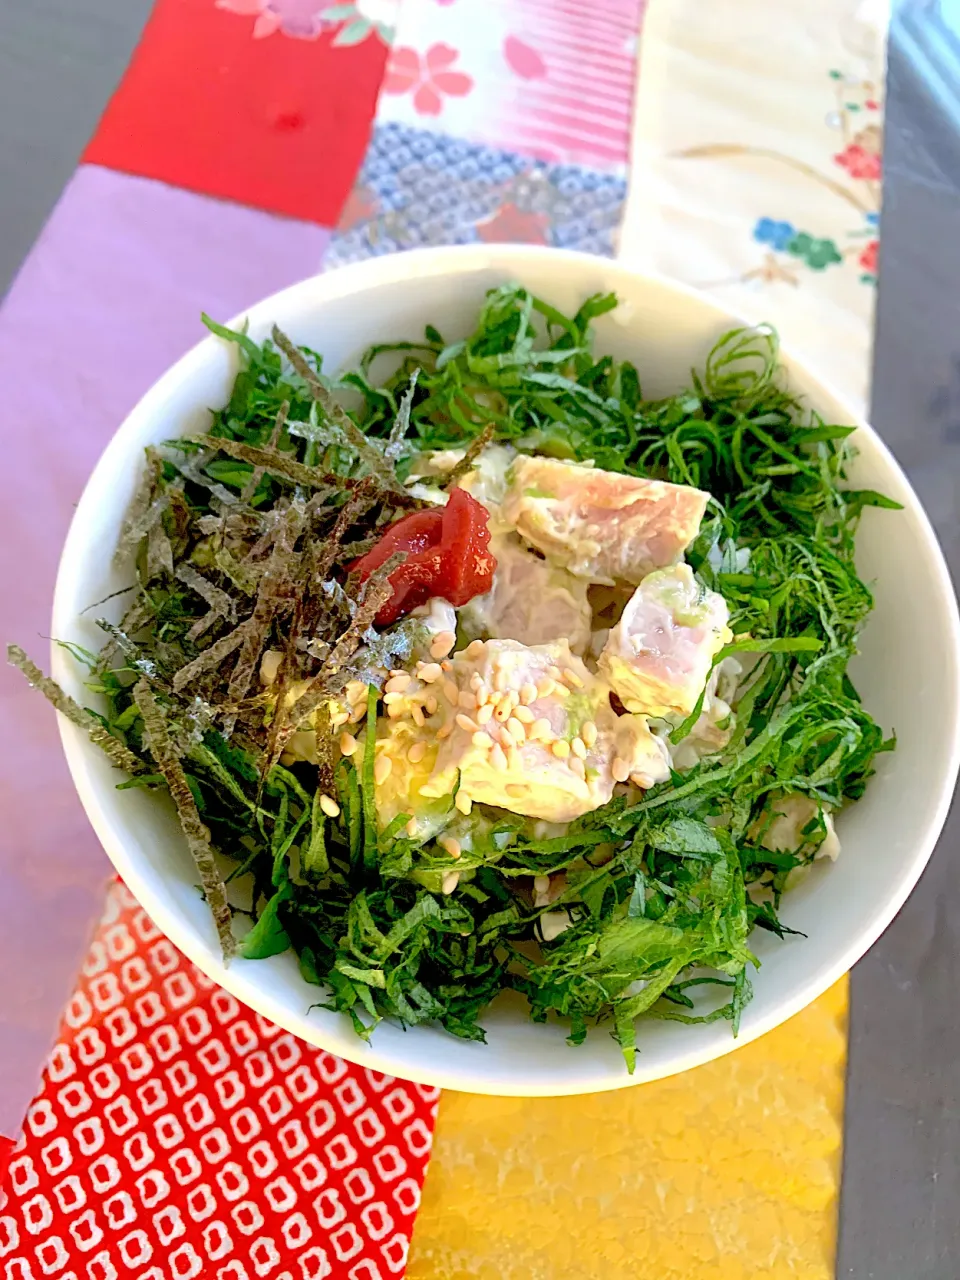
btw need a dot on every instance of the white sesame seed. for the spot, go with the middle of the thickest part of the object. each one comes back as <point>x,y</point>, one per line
<point>417,716</point>
<point>500,680</point>
<point>524,715</point>
<point>337,718</point>
<point>571,678</point>
<point>476,681</point>
<point>506,737</point>
<point>329,806</point>
<point>541,884</point>
<point>474,649</point>
<point>356,692</point>
<point>528,693</point>
<point>443,642</point>
<point>381,769</point>
<point>517,729</point>
<point>620,770</point>
<point>417,752</point>
<point>397,683</point>
<point>463,802</point>
<point>545,687</point>
<point>411,828</point>
<point>555,673</point>
<point>393,696</point>
<point>497,757</point>
<point>578,748</point>
<point>560,749</point>
<point>429,672</point>
<point>484,713</point>
<point>450,691</point>
<point>431,704</point>
<point>561,691</point>
<point>450,882</point>
<point>358,712</point>
<point>467,699</point>
<point>451,845</point>
<point>466,723</point>
<point>395,711</point>
<point>589,733</point>
<point>348,744</point>
<point>397,671</point>
<point>541,730</point>
<point>482,740</point>
<point>444,731</point>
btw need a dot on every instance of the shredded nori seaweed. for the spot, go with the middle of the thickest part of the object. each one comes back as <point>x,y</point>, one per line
<point>160,746</point>
<point>118,753</point>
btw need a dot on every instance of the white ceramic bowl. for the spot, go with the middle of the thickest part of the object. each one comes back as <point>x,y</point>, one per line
<point>907,673</point>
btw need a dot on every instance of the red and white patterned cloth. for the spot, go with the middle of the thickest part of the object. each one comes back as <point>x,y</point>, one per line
<point>179,1134</point>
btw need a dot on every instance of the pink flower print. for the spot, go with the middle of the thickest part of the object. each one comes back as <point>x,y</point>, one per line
<point>860,162</point>
<point>513,226</point>
<point>300,18</point>
<point>429,77</point>
<point>523,59</point>
<point>868,259</point>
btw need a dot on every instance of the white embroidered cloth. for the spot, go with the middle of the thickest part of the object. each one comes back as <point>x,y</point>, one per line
<point>756,166</point>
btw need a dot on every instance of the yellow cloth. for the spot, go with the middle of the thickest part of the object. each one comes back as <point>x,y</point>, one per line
<point>728,1172</point>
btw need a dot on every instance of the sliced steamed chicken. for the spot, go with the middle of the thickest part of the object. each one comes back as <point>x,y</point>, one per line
<point>658,656</point>
<point>532,600</point>
<point>599,524</point>
<point>531,729</point>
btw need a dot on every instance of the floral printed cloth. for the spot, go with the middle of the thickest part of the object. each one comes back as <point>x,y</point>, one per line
<point>178,1134</point>
<point>498,120</point>
<point>757,155</point>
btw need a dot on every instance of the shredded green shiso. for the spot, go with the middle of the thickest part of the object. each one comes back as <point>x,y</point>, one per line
<point>241,539</point>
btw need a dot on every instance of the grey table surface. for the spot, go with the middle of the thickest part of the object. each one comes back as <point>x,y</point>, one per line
<point>900,1206</point>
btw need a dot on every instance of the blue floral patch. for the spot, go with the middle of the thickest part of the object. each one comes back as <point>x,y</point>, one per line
<point>777,235</point>
<point>417,188</point>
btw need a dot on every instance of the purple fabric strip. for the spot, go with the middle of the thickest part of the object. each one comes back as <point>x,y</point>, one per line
<point>110,297</point>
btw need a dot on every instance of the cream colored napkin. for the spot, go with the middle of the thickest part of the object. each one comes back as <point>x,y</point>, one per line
<point>756,163</point>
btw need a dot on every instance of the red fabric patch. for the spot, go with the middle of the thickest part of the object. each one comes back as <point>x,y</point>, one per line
<point>179,1134</point>
<point>279,123</point>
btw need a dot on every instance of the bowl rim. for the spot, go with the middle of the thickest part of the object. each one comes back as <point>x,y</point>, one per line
<point>457,260</point>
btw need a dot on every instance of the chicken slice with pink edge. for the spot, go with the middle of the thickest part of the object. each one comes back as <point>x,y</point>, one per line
<point>658,656</point>
<point>531,600</point>
<point>599,524</point>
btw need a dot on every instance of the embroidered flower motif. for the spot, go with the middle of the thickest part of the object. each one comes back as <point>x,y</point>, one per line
<point>514,226</point>
<point>869,258</point>
<point>860,161</point>
<point>776,234</point>
<point>817,253</point>
<point>429,78</point>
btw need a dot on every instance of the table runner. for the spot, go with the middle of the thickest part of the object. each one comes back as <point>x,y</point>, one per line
<point>562,181</point>
<point>733,1169</point>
